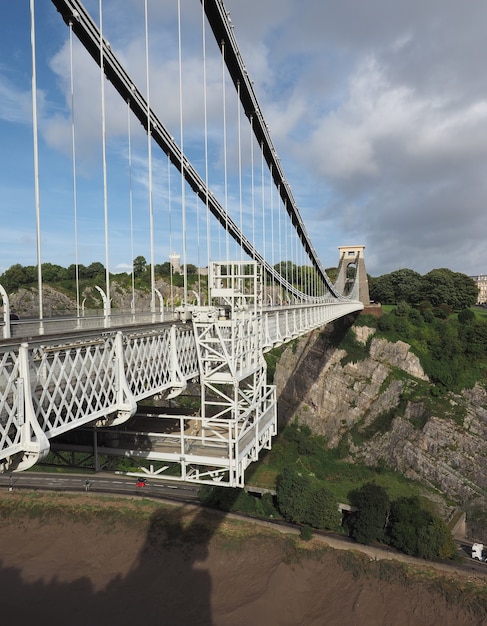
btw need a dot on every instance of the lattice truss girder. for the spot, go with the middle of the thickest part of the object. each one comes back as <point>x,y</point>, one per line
<point>229,350</point>
<point>46,390</point>
<point>22,438</point>
<point>94,380</point>
<point>159,361</point>
<point>11,403</point>
<point>74,384</point>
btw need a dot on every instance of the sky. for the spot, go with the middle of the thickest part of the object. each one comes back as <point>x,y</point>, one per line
<point>377,110</point>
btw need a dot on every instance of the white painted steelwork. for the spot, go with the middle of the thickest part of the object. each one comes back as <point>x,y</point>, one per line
<point>50,385</point>
<point>229,339</point>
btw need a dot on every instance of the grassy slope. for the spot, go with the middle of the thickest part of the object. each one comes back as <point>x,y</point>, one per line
<point>325,465</point>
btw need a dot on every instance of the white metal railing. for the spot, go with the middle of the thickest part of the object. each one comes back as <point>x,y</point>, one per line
<point>92,320</point>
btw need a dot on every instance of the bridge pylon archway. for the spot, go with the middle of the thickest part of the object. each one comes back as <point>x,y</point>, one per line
<point>353,256</point>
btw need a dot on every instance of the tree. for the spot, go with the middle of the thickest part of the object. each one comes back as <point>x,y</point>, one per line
<point>466,316</point>
<point>368,522</point>
<point>52,273</point>
<point>139,265</point>
<point>442,286</point>
<point>72,270</point>
<point>83,271</point>
<point>443,311</point>
<point>467,291</point>
<point>323,509</point>
<point>406,518</point>
<point>385,323</point>
<point>331,272</point>
<point>95,269</point>
<point>301,434</point>
<point>162,269</point>
<point>286,269</point>
<point>293,491</point>
<point>403,284</point>
<point>305,501</point>
<point>403,309</point>
<point>381,290</point>
<point>426,310</point>
<point>416,531</point>
<point>191,270</point>
<point>17,275</point>
<point>474,338</point>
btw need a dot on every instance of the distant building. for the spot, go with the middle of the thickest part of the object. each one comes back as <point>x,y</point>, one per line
<point>481,281</point>
<point>175,261</point>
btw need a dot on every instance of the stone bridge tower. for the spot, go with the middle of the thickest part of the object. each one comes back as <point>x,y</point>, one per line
<point>353,256</point>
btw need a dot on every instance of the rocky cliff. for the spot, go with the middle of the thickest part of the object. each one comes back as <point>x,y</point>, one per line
<point>25,302</point>
<point>380,410</point>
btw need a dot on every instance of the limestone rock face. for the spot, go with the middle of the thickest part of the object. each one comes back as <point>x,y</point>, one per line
<point>362,333</point>
<point>316,384</point>
<point>331,398</point>
<point>25,302</point>
<point>397,354</point>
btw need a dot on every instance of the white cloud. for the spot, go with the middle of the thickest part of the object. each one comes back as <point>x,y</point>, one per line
<point>377,110</point>
<point>346,142</point>
<point>15,104</point>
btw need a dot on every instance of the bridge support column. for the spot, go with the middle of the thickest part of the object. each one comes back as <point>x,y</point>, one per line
<point>34,443</point>
<point>126,404</point>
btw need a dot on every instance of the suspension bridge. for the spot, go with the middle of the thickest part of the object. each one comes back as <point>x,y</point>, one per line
<point>262,285</point>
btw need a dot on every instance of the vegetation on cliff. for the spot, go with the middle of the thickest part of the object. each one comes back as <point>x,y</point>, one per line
<point>405,391</point>
<point>310,483</point>
<point>68,281</point>
<point>452,347</point>
<point>452,350</point>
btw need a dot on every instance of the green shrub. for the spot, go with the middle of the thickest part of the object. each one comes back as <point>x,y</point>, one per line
<point>416,531</point>
<point>306,533</point>
<point>305,501</point>
<point>368,522</point>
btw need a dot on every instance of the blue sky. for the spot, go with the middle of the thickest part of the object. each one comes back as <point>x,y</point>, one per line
<point>378,111</point>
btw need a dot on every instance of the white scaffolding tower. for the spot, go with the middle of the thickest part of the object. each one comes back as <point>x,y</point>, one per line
<point>236,401</point>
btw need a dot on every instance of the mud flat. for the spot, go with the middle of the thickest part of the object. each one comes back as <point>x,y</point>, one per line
<point>80,561</point>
